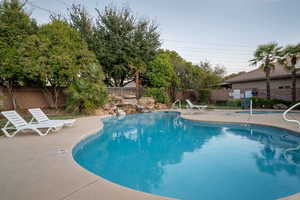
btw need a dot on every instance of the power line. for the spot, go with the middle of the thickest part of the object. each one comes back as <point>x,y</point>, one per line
<point>41,8</point>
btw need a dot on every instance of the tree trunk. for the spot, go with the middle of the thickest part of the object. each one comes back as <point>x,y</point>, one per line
<point>12,95</point>
<point>294,78</point>
<point>268,84</point>
<point>49,97</point>
<point>137,84</point>
<point>56,95</point>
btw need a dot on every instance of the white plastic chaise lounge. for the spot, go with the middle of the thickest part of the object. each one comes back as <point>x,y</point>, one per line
<point>39,116</point>
<point>17,123</point>
<point>192,106</point>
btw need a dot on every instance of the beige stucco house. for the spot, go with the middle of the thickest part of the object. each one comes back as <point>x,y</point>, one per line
<point>255,80</point>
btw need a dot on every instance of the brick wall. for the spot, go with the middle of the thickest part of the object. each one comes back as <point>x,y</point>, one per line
<point>286,94</point>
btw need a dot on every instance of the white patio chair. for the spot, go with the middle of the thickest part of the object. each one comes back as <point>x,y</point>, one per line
<point>39,116</point>
<point>192,106</point>
<point>17,123</point>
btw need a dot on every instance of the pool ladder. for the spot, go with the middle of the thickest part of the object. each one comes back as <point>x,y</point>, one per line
<point>291,120</point>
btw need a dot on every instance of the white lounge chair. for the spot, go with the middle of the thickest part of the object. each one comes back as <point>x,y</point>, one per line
<point>19,124</point>
<point>192,106</point>
<point>39,116</point>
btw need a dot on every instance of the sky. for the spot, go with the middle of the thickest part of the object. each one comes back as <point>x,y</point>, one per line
<point>224,32</point>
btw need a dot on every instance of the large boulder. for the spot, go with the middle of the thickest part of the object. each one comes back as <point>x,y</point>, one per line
<point>147,102</point>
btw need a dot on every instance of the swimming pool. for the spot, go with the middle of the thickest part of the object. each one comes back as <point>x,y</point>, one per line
<point>163,154</point>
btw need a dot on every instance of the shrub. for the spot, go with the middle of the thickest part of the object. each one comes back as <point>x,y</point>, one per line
<point>88,92</point>
<point>204,96</point>
<point>221,103</point>
<point>85,97</point>
<point>268,103</point>
<point>159,94</point>
<point>234,103</point>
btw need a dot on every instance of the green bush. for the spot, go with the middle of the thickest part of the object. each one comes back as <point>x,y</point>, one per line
<point>233,103</point>
<point>268,103</point>
<point>221,103</point>
<point>159,94</point>
<point>88,92</point>
<point>204,96</point>
<point>85,97</point>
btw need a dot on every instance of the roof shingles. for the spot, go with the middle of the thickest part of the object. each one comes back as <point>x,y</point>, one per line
<point>258,74</point>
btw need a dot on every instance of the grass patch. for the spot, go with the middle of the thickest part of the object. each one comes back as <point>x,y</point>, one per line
<point>28,118</point>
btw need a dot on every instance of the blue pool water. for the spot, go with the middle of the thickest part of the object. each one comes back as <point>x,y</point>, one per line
<point>163,154</point>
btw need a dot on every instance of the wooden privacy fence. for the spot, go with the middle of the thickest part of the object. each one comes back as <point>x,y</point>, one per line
<point>124,91</point>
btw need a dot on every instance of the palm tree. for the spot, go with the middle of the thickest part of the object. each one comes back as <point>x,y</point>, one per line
<point>290,57</point>
<point>266,56</point>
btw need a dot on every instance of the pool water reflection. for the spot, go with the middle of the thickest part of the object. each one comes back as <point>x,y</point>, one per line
<point>163,154</point>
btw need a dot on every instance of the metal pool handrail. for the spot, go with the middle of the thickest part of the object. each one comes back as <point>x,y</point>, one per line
<point>291,120</point>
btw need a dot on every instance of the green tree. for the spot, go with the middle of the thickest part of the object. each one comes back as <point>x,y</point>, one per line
<point>266,56</point>
<point>56,57</point>
<point>290,57</point>
<point>80,20</point>
<point>212,75</point>
<point>15,27</point>
<point>144,48</point>
<point>113,35</point>
<point>160,72</point>
<point>124,45</point>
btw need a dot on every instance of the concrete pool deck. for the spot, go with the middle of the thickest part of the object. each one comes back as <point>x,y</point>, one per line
<point>34,167</point>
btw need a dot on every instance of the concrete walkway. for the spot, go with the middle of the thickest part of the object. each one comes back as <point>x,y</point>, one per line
<point>34,167</point>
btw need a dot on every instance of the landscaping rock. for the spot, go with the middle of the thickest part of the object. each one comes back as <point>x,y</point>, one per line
<point>130,101</point>
<point>128,108</point>
<point>101,112</point>
<point>280,106</point>
<point>161,106</point>
<point>147,102</point>
<point>116,99</point>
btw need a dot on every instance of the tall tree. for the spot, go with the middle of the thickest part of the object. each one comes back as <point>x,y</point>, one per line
<point>80,20</point>
<point>15,26</point>
<point>56,57</point>
<point>290,57</point>
<point>160,72</point>
<point>124,45</point>
<point>144,48</point>
<point>265,57</point>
